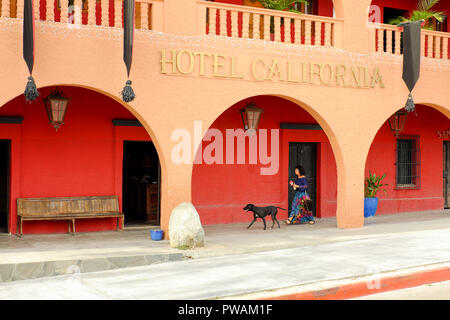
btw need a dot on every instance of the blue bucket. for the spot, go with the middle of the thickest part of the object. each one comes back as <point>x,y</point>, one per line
<point>156,235</point>
<point>370,207</point>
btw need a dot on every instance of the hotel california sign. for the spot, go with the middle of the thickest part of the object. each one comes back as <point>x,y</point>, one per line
<point>214,65</point>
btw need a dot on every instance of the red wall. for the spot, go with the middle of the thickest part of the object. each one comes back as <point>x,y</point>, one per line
<point>409,5</point>
<point>382,157</point>
<point>220,191</point>
<point>84,158</point>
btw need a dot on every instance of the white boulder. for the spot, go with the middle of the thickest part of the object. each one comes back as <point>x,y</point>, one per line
<point>185,228</point>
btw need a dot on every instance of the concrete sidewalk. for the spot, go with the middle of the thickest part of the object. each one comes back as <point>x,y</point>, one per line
<point>351,259</point>
<point>35,256</point>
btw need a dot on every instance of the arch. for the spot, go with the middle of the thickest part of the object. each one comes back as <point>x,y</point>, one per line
<point>127,106</point>
<point>306,106</point>
<point>134,135</point>
<point>230,119</point>
<point>415,185</point>
<point>109,95</point>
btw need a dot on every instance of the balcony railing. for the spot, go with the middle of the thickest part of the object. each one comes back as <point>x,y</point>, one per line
<point>270,25</point>
<point>87,12</point>
<point>388,38</point>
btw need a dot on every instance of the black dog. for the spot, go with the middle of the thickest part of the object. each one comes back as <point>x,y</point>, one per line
<point>262,212</point>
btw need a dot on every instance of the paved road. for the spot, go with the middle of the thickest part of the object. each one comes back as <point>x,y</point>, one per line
<point>245,273</point>
<point>434,291</point>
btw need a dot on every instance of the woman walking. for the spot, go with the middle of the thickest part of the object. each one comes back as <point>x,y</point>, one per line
<point>300,212</point>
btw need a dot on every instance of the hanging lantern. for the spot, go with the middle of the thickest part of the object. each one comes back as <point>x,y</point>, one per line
<point>397,122</point>
<point>56,105</point>
<point>251,118</point>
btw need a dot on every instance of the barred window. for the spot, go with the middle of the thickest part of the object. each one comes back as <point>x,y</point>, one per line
<point>408,162</point>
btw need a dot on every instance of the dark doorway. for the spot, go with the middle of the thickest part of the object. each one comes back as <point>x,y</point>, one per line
<point>446,174</point>
<point>393,13</point>
<point>141,183</point>
<point>304,154</point>
<point>4,184</point>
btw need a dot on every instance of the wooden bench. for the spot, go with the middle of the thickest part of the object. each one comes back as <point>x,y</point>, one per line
<point>70,209</point>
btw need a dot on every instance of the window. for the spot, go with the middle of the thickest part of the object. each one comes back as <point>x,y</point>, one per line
<point>408,162</point>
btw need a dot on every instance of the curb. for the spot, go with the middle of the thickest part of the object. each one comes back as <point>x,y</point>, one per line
<point>342,289</point>
<point>33,270</point>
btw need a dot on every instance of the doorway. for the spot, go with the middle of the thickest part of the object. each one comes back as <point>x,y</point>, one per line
<point>304,154</point>
<point>141,184</point>
<point>446,174</point>
<point>4,184</point>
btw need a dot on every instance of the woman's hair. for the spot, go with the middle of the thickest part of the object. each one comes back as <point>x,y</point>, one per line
<point>301,170</point>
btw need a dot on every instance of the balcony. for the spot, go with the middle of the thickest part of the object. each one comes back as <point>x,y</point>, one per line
<point>89,12</point>
<point>204,18</point>
<point>270,25</point>
<point>387,38</point>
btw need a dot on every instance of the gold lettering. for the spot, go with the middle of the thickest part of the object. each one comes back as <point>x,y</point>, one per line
<point>439,134</point>
<point>304,72</point>
<point>191,62</point>
<point>202,61</point>
<point>289,73</point>
<point>217,65</point>
<point>358,81</point>
<point>321,74</point>
<point>274,70</point>
<point>366,77</point>
<point>312,73</point>
<point>164,60</point>
<point>340,75</point>
<point>233,69</point>
<point>376,78</point>
<point>254,65</point>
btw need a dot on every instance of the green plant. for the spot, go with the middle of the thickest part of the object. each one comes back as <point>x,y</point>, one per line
<point>282,5</point>
<point>423,12</point>
<point>373,184</point>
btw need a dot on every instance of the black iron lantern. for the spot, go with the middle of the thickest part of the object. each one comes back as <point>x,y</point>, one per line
<point>397,122</point>
<point>56,106</point>
<point>252,116</point>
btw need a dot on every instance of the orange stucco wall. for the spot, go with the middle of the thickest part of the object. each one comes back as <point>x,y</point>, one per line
<point>91,57</point>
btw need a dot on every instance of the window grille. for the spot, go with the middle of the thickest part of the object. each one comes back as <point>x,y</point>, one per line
<point>408,162</point>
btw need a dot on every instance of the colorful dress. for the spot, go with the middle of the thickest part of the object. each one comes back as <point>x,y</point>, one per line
<point>299,209</point>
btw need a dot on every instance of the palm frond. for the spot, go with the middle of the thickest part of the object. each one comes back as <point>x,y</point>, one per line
<point>427,15</point>
<point>282,4</point>
<point>425,5</point>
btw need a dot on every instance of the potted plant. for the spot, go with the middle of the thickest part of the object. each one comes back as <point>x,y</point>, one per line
<point>424,12</point>
<point>371,187</point>
<point>282,5</point>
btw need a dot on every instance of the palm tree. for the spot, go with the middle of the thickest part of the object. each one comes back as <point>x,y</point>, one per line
<point>423,12</point>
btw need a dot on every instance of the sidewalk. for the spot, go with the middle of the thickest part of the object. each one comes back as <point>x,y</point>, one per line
<point>395,238</point>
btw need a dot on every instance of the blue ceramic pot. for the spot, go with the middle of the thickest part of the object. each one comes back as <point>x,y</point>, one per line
<point>156,235</point>
<point>370,207</point>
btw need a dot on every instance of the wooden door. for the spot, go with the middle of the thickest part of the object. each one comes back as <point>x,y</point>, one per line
<point>304,154</point>
<point>4,184</point>
<point>446,174</point>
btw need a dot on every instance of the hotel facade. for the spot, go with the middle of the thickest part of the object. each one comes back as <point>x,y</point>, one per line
<point>328,81</point>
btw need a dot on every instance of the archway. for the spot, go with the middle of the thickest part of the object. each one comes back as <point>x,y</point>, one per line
<point>87,156</point>
<point>414,162</point>
<point>222,184</point>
